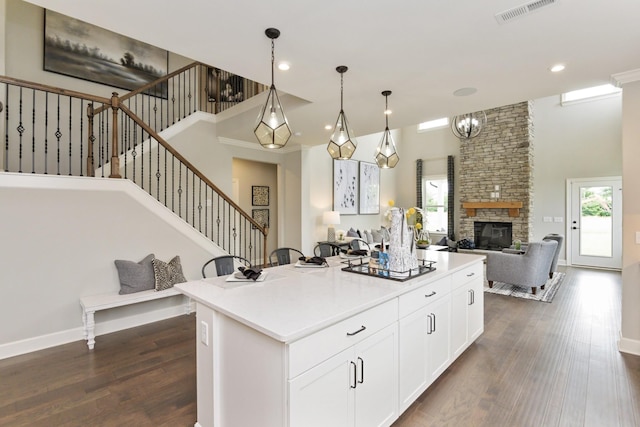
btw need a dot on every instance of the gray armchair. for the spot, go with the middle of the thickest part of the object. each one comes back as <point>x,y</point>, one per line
<point>560,239</point>
<point>554,264</point>
<point>530,269</point>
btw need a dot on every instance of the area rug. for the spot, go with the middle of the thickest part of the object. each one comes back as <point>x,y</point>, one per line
<point>544,295</point>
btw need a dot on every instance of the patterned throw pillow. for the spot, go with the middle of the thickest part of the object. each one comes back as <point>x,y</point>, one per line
<point>168,274</point>
<point>135,276</point>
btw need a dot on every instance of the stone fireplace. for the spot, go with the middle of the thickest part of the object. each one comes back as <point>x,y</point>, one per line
<point>499,160</point>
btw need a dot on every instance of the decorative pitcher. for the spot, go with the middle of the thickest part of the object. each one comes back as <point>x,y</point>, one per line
<point>402,250</point>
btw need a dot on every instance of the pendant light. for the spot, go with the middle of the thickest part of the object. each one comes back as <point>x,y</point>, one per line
<point>342,143</point>
<point>386,153</point>
<point>272,128</point>
<point>467,126</point>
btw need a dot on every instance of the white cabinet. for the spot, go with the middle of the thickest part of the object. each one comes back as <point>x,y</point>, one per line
<point>424,349</point>
<point>467,309</point>
<point>357,387</point>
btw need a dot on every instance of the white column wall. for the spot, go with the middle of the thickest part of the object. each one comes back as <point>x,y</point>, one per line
<point>630,325</point>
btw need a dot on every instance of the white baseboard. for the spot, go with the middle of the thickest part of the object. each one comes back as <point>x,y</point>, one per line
<point>626,345</point>
<point>29,345</point>
<point>76,334</point>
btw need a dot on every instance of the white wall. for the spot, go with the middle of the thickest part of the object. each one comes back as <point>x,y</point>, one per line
<point>580,140</point>
<point>24,47</point>
<point>319,168</point>
<point>60,237</point>
<point>630,332</point>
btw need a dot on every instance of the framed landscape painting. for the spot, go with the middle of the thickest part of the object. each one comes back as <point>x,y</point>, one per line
<point>369,188</point>
<point>345,186</point>
<point>79,49</point>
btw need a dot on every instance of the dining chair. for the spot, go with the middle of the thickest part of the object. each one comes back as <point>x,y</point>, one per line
<point>225,264</point>
<point>283,256</point>
<point>326,249</point>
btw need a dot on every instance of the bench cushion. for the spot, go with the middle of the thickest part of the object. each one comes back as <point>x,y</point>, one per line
<point>135,276</point>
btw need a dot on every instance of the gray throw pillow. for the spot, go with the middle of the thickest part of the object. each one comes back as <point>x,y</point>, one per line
<point>135,276</point>
<point>377,236</point>
<point>352,233</point>
<point>385,233</point>
<point>168,274</point>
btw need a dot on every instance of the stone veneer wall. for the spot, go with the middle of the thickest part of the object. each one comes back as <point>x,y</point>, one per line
<point>501,155</point>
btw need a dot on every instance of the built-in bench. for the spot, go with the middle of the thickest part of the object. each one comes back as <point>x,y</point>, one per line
<point>92,303</point>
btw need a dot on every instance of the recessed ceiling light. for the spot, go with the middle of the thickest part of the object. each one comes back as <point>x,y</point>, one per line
<point>465,91</point>
<point>327,127</point>
<point>284,66</point>
<point>557,68</point>
<point>387,112</point>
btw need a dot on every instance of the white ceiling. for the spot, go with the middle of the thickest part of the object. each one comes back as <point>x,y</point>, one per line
<point>422,50</point>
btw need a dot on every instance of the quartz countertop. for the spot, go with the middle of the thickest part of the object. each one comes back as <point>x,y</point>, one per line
<point>293,302</point>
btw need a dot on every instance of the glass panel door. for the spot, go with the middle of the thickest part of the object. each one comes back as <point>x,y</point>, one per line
<point>596,223</point>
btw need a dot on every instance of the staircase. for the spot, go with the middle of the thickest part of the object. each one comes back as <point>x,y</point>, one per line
<point>48,130</point>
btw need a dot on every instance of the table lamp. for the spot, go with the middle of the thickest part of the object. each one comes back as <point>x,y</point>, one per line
<point>331,218</point>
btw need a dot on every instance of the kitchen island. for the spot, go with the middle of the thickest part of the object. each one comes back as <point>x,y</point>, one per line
<point>325,347</point>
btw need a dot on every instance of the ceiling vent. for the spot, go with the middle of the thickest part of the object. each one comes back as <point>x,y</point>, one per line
<point>520,11</point>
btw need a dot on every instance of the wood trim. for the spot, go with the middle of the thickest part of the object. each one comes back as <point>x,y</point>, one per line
<point>514,207</point>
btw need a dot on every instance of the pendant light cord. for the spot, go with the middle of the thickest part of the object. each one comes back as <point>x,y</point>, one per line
<point>272,62</point>
<point>341,89</point>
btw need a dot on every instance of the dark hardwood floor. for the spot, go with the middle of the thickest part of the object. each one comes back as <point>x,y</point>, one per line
<point>537,364</point>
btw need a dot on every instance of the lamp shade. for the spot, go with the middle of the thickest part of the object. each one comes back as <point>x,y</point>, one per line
<point>331,218</point>
<point>386,154</point>
<point>342,143</point>
<point>272,128</point>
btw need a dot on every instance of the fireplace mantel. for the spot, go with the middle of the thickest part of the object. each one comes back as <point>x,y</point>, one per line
<point>514,207</point>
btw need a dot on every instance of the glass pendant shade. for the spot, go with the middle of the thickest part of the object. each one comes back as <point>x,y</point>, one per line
<point>467,126</point>
<point>272,128</point>
<point>342,143</point>
<point>386,153</point>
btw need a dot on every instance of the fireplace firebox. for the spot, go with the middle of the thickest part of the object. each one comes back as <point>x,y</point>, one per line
<point>491,235</point>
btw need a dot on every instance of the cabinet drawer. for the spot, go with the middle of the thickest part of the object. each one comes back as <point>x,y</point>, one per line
<point>468,274</point>
<point>414,300</point>
<point>316,348</point>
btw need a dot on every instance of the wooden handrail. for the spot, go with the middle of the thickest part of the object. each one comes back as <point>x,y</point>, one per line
<point>264,230</point>
<point>56,90</point>
<point>152,84</point>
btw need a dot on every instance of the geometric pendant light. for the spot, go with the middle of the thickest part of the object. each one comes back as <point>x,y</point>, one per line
<point>272,128</point>
<point>342,143</point>
<point>467,126</point>
<point>386,153</point>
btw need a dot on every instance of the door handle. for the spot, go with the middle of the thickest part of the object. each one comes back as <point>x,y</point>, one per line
<point>355,381</point>
<point>362,328</point>
<point>361,380</point>
<point>574,228</point>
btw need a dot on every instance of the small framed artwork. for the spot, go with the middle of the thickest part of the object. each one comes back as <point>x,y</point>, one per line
<point>345,186</point>
<point>259,195</point>
<point>369,188</point>
<point>261,216</point>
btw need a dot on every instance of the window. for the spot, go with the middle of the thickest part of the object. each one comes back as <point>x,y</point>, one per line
<point>435,193</point>
<point>433,124</point>
<point>590,93</point>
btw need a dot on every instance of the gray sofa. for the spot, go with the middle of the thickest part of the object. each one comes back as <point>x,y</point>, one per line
<point>530,269</point>
<point>554,264</point>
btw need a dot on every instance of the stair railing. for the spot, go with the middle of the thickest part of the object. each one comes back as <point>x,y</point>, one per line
<point>48,130</point>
